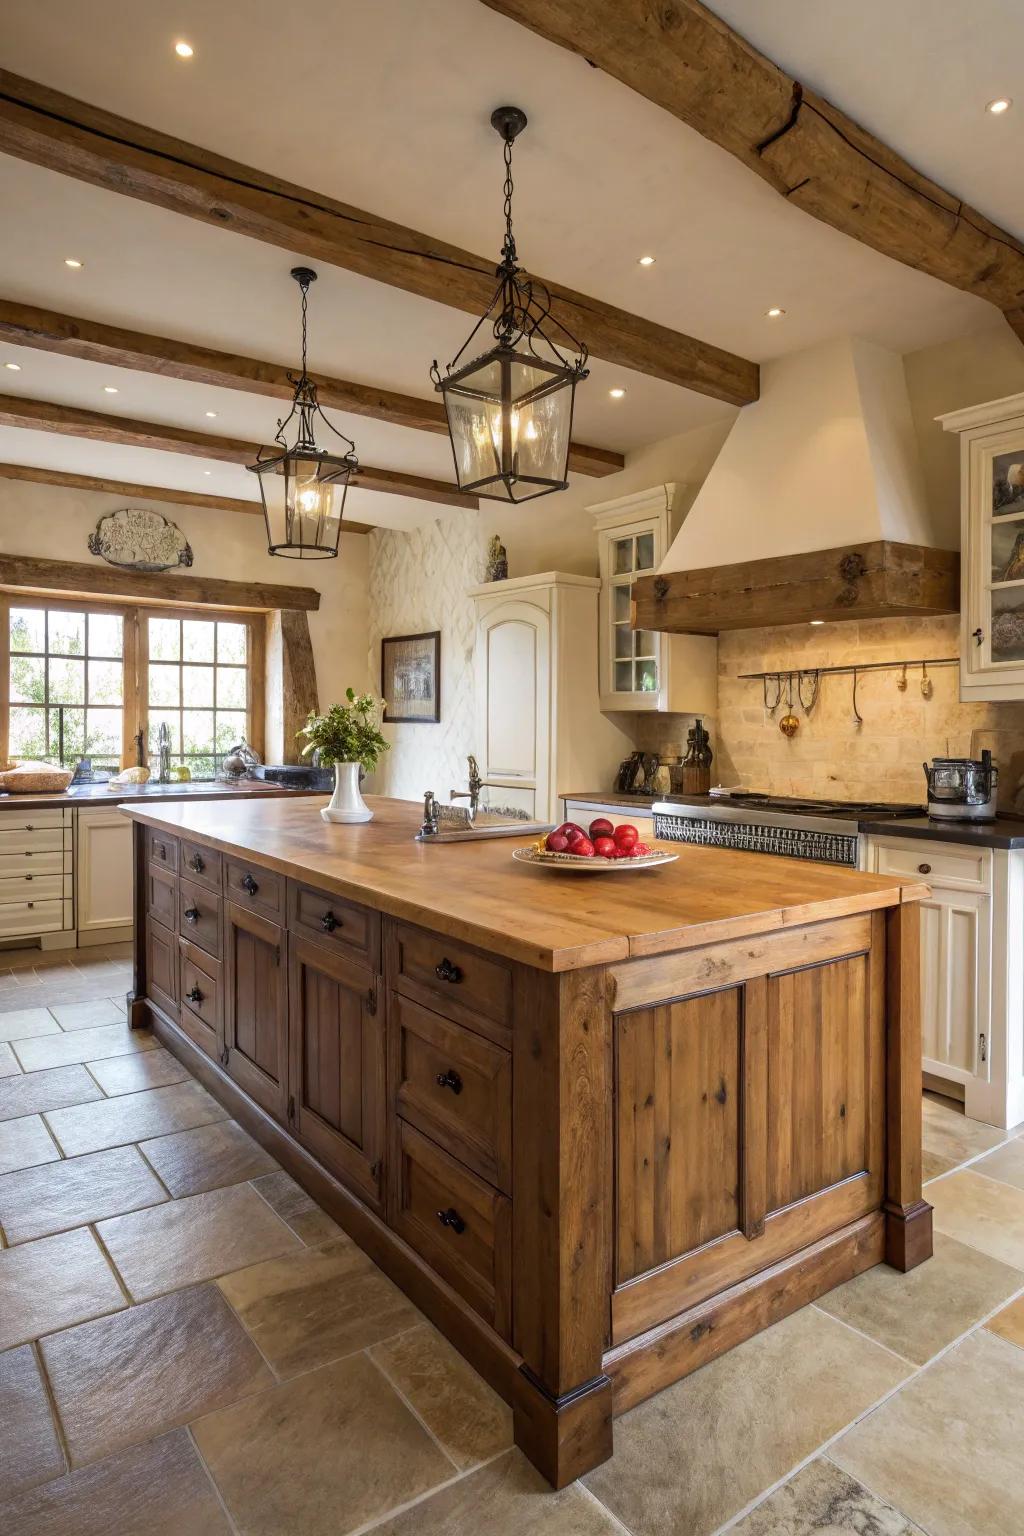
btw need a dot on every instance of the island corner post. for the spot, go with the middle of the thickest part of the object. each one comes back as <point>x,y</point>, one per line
<point>594,1163</point>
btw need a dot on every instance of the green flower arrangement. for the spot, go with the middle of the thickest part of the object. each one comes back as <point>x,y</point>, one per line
<point>348,733</point>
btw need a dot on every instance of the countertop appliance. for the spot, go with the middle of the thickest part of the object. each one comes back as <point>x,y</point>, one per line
<point>294,776</point>
<point>962,788</point>
<point>825,831</point>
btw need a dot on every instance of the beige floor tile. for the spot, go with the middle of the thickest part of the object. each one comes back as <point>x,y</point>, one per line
<point>315,1305</point>
<point>1006,1164</point>
<point>198,1238</point>
<point>132,1117</point>
<point>321,1455</point>
<point>982,1212</point>
<point>37,1201</point>
<point>506,1498</point>
<point>298,1209</point>
<point>30,1452</point>
<point>1009,1323</point>
<point>34,1092</point>
<point>919,1313</point>
<point>159,1489</point>
<point>822,1500</point>
<point>947,1448</point>
<point>87,1015</point>
<point>932,1166</point>
<point>207,1157</point>
<point>81,1045</point>
<point>124,1379</point>
<point>25,1143</point>
<point>9,1063</point>
<point>26,1023</point>
<point>947,1132</point>
<point>138,1071</point>
<point>53,1283</point>
<point>690,1458</point>
<point>457,1405</point>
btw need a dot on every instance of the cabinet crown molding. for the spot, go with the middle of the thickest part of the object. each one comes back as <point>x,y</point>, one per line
<point>985,415</point>
<point>543,579</point>
<point>656,500</point>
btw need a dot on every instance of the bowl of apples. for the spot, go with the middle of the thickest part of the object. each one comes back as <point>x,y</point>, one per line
<point>599,849</point>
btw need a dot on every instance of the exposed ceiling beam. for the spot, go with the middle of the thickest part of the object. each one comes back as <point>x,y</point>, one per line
<point>69,136</point>
<point>60,477</point>
<point>72,421</point>
<point>27,326</point>
<point>97,580</point>
<point>687,60</point>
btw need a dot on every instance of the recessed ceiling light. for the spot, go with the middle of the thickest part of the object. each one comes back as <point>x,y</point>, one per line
<point>211,413</point>
<point>110,389</point>
<point>617,393</point>
<point>646,261</point>
<point>71,261</point>
<point>207,471</point>
<point>816,621</point>
<point>999,106</point>
<point>184,50</point>
<point>775,313</point>
<point>14,367</point>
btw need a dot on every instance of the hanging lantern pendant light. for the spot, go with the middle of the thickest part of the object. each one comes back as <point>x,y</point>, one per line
<point>304,488</point>
<point>510,409</point>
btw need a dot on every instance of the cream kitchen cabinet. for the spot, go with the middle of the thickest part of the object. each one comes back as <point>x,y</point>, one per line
<point>972,968</point>
<point>539,728</point>
<point>104,875</point>
<point>36,876</point>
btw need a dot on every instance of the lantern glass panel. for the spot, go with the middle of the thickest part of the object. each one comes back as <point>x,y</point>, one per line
<point>475,428</point>
<point>304,498</point>
<point>540,435</point>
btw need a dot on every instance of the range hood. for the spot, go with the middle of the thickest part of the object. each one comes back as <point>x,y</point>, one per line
<point>814,509</point>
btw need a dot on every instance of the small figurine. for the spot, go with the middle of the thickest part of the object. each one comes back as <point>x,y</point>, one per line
<point>497,561</point>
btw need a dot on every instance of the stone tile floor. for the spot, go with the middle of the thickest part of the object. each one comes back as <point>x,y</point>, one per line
<point>189,1346</point>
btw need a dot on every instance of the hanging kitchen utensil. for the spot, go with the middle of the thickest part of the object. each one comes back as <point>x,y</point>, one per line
<point>790,723</point>
<point>772,704</point>
<point>811,689</point>
<point>926,683</point>
<point>858,718</point>
<point>901,681</point>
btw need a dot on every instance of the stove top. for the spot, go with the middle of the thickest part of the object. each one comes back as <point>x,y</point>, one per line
<point>826,831</point>
<point>848,809</point>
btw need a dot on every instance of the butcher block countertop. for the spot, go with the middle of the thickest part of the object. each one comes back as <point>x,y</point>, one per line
<point>551,921</point>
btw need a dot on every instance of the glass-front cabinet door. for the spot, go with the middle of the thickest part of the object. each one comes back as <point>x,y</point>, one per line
<point>634,652</point>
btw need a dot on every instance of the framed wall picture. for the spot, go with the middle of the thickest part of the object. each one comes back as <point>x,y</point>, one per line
<point>410,678</point>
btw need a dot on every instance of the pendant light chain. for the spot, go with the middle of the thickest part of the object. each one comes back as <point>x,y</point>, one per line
<point>305,305</point>
<point>509,250</point>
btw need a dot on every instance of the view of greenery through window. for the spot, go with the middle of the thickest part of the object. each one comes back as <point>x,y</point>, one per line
<point>198,685</point>
<point>66,686</point>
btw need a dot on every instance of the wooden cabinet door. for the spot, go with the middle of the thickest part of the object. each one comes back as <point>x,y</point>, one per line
<point>337,1064</point>
<point>513,663</point>
<point>956,946</point>
<point>256,1008</point>
<point>104,878</point>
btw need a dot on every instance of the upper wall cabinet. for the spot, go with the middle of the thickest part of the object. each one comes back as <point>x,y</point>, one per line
<point>640,668</point>
<point>992,548</point>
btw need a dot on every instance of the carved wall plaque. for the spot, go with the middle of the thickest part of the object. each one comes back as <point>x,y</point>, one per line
<point>137,540</point>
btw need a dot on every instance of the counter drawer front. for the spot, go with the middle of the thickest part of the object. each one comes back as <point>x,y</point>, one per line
<point>33,917</point>
<point>34,888</point>
<point>455,1086</point>
<point>200,984</point>
<point>459,981</point>
<point>203,865</point>
<point>162,967</point>
<point>260,890</point>
<point>351,929</point>
<point>28,820</point>
<point>162,897</point>
<point>28,862</point>
<point>460,1225</point>
<point>938,863</point>
<point>161,850</point>
<point>199,917</point>
<point>43,840</point>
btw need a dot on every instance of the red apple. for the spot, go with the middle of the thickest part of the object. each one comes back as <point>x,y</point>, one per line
<point>601,827</point>
<point>582,847</point>
<point>605,848</point>
<point>556,842</point>
<point>568,828</point>
<point>639,851</point>
<point>624,830</point>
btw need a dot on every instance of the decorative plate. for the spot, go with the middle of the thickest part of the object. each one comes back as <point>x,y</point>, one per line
<point>572,863</point>
<point>139,540</point>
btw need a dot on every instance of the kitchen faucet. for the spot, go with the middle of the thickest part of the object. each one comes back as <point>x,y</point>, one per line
<point>472,794</point>
<point>164,748</point>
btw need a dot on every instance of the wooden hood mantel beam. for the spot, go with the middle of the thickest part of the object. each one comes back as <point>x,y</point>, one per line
<point>26,326</point>
<point>683,57</point>
<point>75,139</point>
<point>860,581</point>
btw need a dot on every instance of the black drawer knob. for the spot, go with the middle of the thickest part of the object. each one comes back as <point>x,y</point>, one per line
<point>196,864</point>
<point>191,914</point>
<point>450,1079</point>
<point>250,885</point>
<point>446,971</point>
<point>924,869</point>
<point>161,850</point>
<point>451,1218</point>
<point>329,922</point>
<point>195,996</point>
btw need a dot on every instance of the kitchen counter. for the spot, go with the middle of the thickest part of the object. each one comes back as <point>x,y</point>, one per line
<point>99,794</point>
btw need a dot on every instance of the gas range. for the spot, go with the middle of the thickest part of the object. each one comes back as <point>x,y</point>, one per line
<point>824,831</point>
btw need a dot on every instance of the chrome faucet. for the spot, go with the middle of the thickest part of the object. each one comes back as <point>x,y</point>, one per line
<point>429,827</point>
<point>164,747</point>
<point>472,794</point>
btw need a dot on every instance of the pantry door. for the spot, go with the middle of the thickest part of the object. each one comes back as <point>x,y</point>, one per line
<point>513,659</point>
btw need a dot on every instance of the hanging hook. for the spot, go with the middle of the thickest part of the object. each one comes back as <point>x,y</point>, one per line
<point>772,705</point>
<point>926,682</point>
<point>814,674</point>
<point>901,681</point>
<point>857,717</point>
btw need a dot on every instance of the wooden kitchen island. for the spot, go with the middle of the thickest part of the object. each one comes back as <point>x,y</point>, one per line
<point>599,1128</point>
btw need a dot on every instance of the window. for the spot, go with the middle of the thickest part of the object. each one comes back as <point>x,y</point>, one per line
<point>66,685</point>
<point>197,684</point>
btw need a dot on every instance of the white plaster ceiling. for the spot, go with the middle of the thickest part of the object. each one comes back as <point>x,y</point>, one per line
<point>384,104</point>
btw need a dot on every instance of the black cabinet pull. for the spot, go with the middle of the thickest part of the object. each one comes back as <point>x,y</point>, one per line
<point>978,635</point>
<point>924,869</point>
<point>196,864</point>
<point>191,914</point>
<point>446,971</point>
<point>329,922</point>
<point>450,1079</point>
<point>451,1218</point>
<point>249,885</point>
<point>195,996</point>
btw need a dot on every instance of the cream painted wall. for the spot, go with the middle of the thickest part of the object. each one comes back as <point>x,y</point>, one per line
<point>56,522</point>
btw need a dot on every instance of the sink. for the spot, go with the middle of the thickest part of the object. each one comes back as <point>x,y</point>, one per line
<point>455,826</point>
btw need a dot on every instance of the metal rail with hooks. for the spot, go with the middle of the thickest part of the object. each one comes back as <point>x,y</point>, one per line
<point>858,666</point>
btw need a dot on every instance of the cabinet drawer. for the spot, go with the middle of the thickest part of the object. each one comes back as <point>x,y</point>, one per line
<point>460,1225</point>
<point>455,1086</point>
<point>203,865</point>
<point>199,917</point>
<point>34,888</point>
<point>28,820</point>
<point>162,896</point>
<point>260,890</point>
<point>161,850</point>
<point>162,967</point>
<point>53,861</point>
<point>32,917</point>
<point>350,929</point>
<point>201,999</point>
<point>938,863</point>
<point>43,840</point>
<point>459,981</point>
